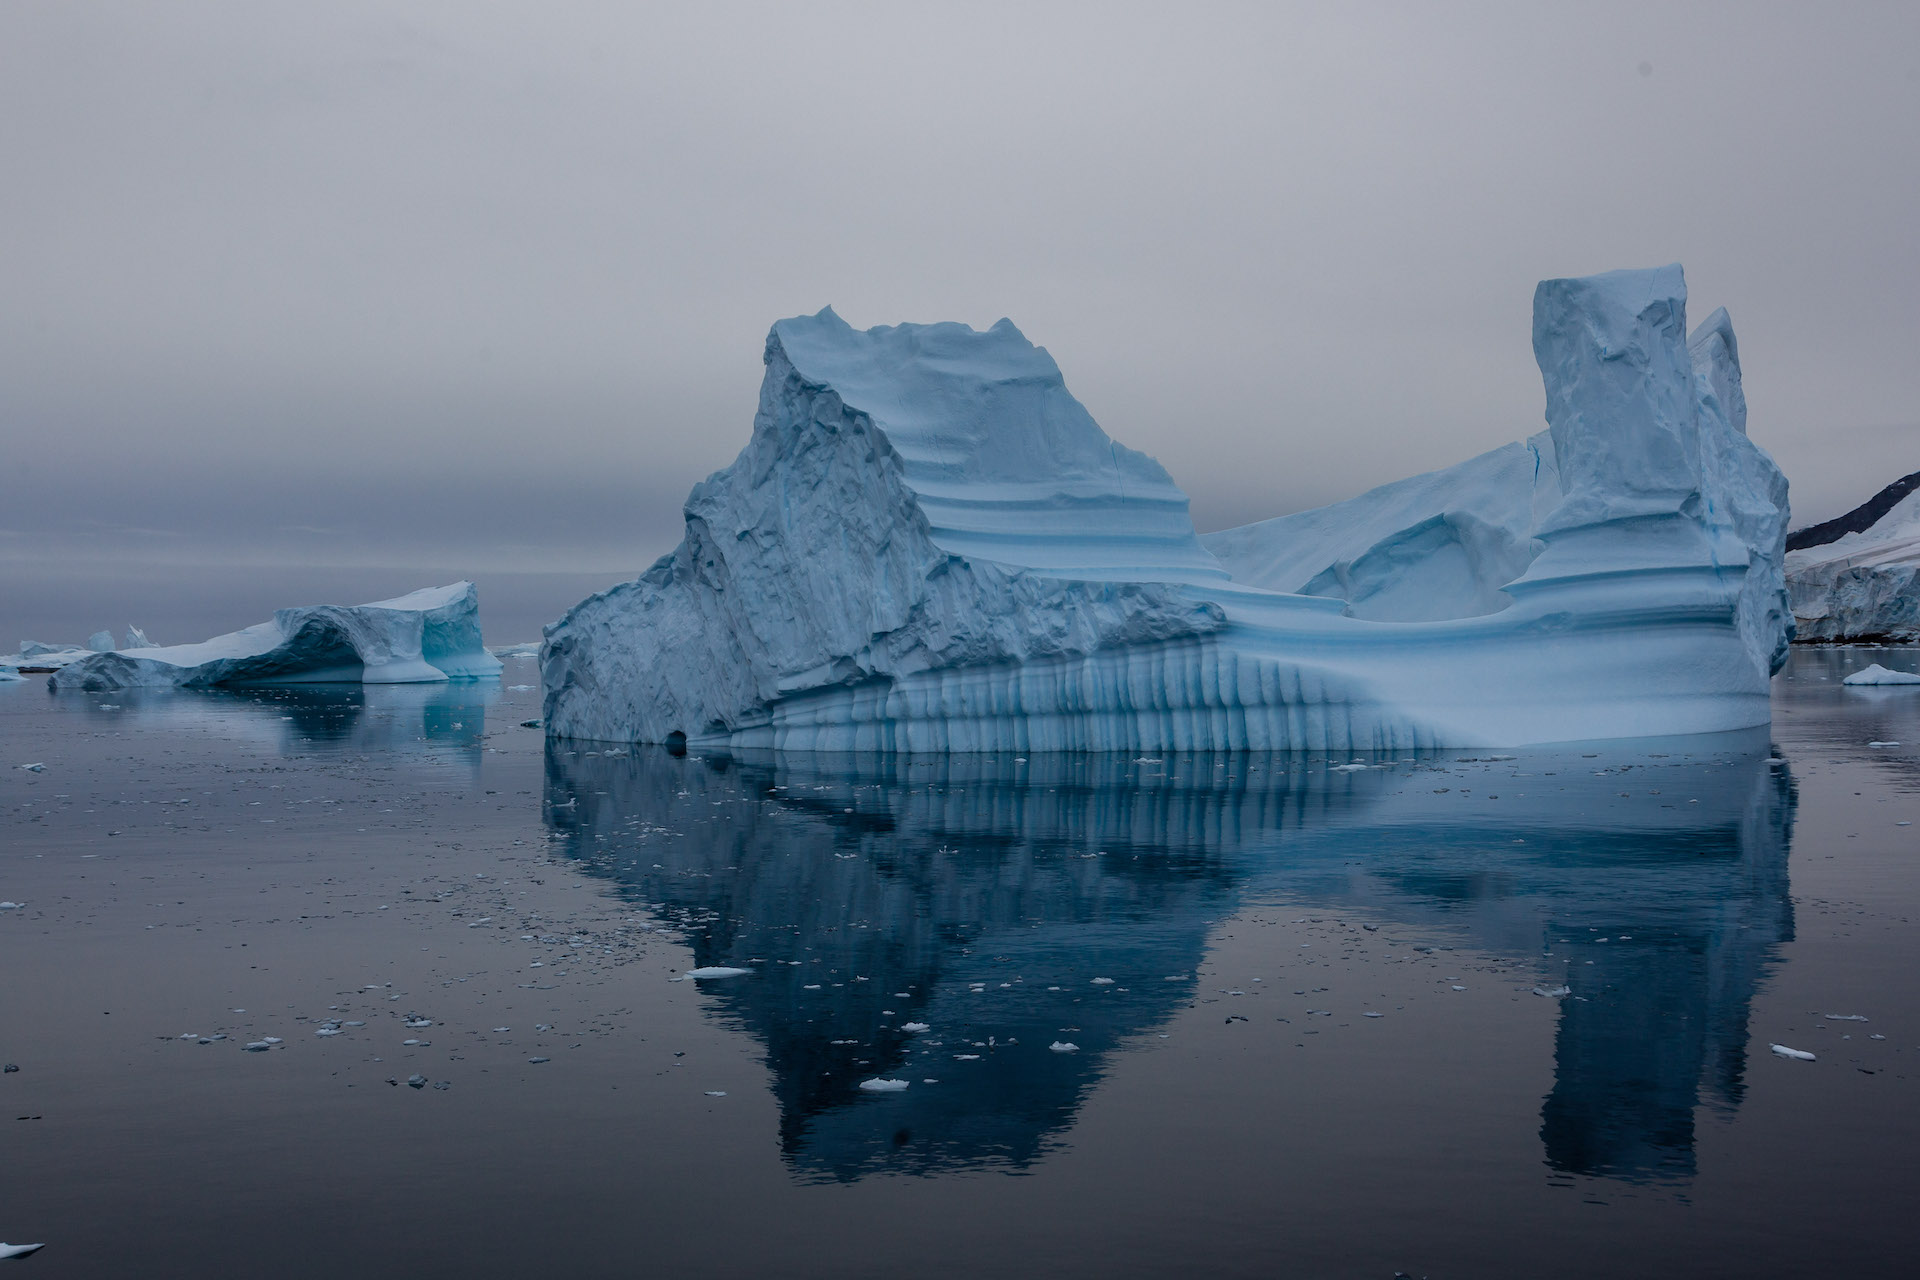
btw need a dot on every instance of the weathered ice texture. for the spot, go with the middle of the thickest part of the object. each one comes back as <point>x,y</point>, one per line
<point>1863,584</point>
<point>430,635</point>
<point>928,544</point>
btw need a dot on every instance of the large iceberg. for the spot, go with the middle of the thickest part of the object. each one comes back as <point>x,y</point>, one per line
<point>429,635</point>
<point>928,544</point>
<point>1857,576</point>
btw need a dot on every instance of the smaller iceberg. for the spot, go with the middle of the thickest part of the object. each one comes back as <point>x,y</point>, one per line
<point>428,636</point>
<point>1877,674</point>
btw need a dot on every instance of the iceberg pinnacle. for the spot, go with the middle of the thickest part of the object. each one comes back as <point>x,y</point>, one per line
<point>929,544</point>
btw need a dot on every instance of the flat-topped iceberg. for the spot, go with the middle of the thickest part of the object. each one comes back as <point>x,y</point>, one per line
<point>928,544</point>
<point>429,635</point>
<point>1857,576</point>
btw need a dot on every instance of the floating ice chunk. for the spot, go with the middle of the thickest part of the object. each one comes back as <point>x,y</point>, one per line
<point>430,635</point>
<point>1553,993</point>
<point>716,1093</point>
<point>1846,1017</point>
<point>11,906</point>
<point>9,1251</point>
<point>257,1046</point>
<point>713,971</point>
<point>915,1027</point>
<point>326,1031</point>
<point>1348,768</point>
<point>538,1061</point>
<point>877,1085</point>
<point>521,688</point>
<point>1883,744</point>
<point>1799,1055</point>
<point>1102,982</point>
<point>35,767</point>
<point>1064,1046</point>
<point>1877,674</point>
<point>1373,1015</point>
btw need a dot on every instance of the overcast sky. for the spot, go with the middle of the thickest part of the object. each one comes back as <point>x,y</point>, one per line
<point>394,283</point>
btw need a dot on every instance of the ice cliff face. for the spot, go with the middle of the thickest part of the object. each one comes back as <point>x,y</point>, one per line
<point>1857,577</point>
<point>429,635</point>
<point>928,544</point>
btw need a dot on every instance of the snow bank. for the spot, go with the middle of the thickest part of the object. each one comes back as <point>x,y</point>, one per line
<point>429,635</point>
<point>1864,584</point>
<point>928,544</point>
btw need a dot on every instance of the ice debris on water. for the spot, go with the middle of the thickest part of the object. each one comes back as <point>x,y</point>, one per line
<point>36,767</point>
<point>716,1093</point>
<point>877,1085</point>
<point>1553,993</point>
<point>9,1251</point>
<point>1799,1055</point>
<point>1103,982</point>
<point>256,1046</point>
<point>1064,1046</point>
<point>538,1061</point>
<point>11,906</point>
<point>1877,674</point>
<point>1846,1017</point>
<point>915,1027</point>
<point>713,971</point>
<point>1883,744</point>
<point>417,1081</point>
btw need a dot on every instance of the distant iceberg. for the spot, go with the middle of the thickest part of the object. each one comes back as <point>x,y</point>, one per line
<point>1857,576</point>
<point>430,635</point>
<point>929,545</point>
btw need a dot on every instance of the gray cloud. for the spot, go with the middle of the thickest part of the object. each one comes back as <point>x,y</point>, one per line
<point>372,283</point>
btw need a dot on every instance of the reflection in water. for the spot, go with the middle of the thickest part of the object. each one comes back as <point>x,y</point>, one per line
<point>333,719</point>
<point>984,896</point>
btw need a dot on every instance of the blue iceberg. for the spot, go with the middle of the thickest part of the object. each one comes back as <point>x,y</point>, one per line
<point>929,545</point>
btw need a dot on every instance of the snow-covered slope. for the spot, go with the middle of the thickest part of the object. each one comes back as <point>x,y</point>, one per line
<point>428,635</point>
<point>1862,585</point>
<point>928,544</point>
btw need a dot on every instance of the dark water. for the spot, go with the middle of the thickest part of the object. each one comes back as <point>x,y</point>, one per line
<point>1301,1003</point>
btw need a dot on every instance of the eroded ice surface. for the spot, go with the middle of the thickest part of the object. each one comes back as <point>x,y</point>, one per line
<point>428,635</point>
<point>928,544</point>
<point>1857,577</point>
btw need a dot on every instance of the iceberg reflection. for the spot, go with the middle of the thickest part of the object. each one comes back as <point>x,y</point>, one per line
<point>983,896</point>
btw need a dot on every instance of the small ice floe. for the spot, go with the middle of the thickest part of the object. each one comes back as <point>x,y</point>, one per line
<point>256,1046</point>
<point>417,1081</point>
<point>11,906</point>
<point>1877,674</point>
<point>1348,768</point>
<point>1846,1017</point>
<point>326,1031</point>
<point>1373,1015</point>
<point>417,1022</point>
<point>966,1057</point>
<point>538,1061</point>
<point>915,1027</point>
<point>498,1030</point>
<point>1103,982</point>
<point>877,1085</point>
<point>19,1250</point>
<point>716,1093</point>
<point>1458,987</point>
<point>1883,744</point>
<point>1064,1046</point>
<point>36,767</point>
<point>1798,1055</point>
<point>520,688</point>
<point>1553,993</point>
<point>713,971</point>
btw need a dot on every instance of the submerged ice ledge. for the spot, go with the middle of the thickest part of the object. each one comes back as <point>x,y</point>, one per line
<point>929,545</point>
<point>427,636</point>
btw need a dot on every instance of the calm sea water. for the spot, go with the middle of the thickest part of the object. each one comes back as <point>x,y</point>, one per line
<point>1462,1014</point>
